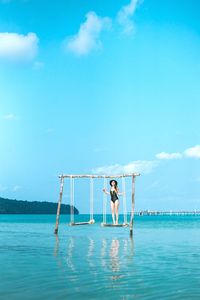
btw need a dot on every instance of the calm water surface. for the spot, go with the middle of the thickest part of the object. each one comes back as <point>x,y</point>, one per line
<point>162,261</point>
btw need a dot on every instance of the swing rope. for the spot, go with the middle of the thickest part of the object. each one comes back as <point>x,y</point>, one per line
<point>91,199</point>
<point>124,199</point>
<point>104,201</point>
<point>72,199</point>
<point>91,221</point>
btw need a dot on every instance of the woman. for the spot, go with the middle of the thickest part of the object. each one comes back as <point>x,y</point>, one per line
<point>114,201</point>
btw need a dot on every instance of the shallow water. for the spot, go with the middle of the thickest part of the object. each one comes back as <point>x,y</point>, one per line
<point>93,262</point>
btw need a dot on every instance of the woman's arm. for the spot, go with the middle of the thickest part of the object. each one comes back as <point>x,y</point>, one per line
<point>120,194</point>
<point>106,192</point>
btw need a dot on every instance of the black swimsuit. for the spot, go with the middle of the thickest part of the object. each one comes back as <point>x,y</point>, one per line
<point>114,196</point>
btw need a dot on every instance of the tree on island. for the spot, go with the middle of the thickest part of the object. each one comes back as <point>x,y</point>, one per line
<point>8,206</point>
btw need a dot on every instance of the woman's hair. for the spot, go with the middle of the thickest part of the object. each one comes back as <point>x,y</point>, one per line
<point>115,186</point>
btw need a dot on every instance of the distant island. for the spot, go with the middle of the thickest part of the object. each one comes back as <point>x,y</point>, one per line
<point>8,206</point>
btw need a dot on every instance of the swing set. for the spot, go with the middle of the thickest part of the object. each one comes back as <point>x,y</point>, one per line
<point>91,200</point>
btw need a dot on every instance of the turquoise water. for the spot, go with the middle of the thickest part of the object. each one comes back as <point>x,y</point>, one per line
<point>162,261</point>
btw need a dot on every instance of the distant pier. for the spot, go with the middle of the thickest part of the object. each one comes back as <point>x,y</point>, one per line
<point>167,213</point>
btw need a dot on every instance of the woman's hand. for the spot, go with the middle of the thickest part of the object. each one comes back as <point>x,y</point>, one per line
<point>121,194</point>
<point>104,190</point>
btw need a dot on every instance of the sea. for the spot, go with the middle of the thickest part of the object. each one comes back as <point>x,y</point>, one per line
<point>160,261</point>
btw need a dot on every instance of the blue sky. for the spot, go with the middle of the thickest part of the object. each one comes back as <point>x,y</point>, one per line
<point>107,86</point>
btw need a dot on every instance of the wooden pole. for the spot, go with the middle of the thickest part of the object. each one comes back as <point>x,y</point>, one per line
<point>59,204</point>
<point>133,206</point>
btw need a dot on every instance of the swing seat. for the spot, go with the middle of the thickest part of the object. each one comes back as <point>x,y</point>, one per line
<point>114,225</point>
<point>82,223</point>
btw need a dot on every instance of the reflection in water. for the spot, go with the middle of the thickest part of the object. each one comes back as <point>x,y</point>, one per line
<point>99,256</point>
<point>90,247</point>
<point>69,258</point>
<point>131,253</point>
<point>114,255</point>
<point>121,252</point>
<point>90,252</point>
<point>56,245</point>
<point>56,253</point>
<point>116,250</point>
<point>120,249</point>
<point>103,253</point>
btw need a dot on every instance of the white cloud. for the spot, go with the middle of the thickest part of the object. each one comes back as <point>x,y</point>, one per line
<point>18,47</point>
<point>17,188</point>
<point>165,155</point>
<point>125,15</point>
<point>141,166</point>
<point>10,117</point>
<point>87,38</point>
<point>193,152</point>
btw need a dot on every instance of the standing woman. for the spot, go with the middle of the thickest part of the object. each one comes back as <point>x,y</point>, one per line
<point>114,201</point>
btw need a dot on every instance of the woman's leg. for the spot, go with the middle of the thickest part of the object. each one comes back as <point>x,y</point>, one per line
<point>117,210</point>
<point>112,205</point>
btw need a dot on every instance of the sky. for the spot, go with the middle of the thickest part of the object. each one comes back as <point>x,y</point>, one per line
<point>100,87</point>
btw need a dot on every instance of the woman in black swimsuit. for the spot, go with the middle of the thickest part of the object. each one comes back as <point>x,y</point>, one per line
<point>114,201</point>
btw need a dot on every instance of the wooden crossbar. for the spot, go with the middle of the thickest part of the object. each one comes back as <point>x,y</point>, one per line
<point>98,176</point>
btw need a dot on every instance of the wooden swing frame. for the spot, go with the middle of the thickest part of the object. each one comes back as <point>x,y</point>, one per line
<point>64,176</point>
